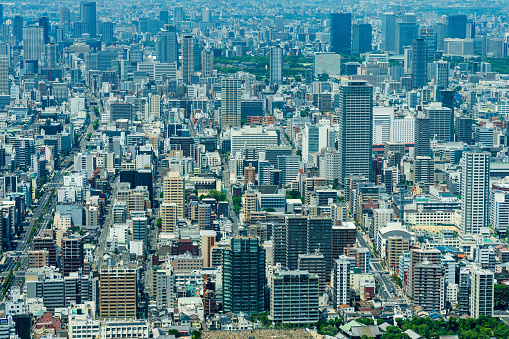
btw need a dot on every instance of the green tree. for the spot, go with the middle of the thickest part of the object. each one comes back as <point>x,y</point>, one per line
<point>174,332</point>
<point>501,296</point>
<point>394,332</point>
<point>323,77</point>
<point>329,330</point>
<point>366,321</point>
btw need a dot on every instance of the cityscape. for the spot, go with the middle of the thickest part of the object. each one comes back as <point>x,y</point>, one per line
<point>254,170</point>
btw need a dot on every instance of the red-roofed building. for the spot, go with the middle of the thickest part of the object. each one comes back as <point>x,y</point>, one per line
<point>48,321</point>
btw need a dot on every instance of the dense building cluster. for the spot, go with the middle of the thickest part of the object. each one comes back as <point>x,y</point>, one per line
<point>171,169</point>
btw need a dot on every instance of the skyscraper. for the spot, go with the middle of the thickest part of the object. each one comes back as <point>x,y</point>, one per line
<point>17,28</point>
<point>207,63</point>
<point>457,26</point>
<point>422,146</point>
<point>475,179</point>
<point>1,14</point>
<point>441,122</point>
<point>362,35</point>
<point>319,237</point>
<point>482,287</point>
<point>355,131</point>
<point>88,15</point>
<point>295,239</point>
<point>230,103</point>
<point>44,23</point>
<point>65,16</point>
<point>419,64</point>
<point>117,295</point>
<point>341,281</point>
<point>441,74</point>
<point>341,32</point>
<point>294,297</point>
<point>163,17</point>
<point>188,46</point>
<point>418,256</point>
<point>276,65</point>
<point>178,16</point>
<point>107,33</point>
<point>33,43</point>
<point>406,32</point>
<point>4,75</point>
<point>389,32</point>
<point>166,45</point>
<point>173,191</point>
<point>72,254</point>
<point>429,286</point>
<point>244,276</point>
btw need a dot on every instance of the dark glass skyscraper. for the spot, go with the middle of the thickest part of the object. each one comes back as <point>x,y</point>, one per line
<point>17,28</point>
<point>457,26</point>
<point>389,32</point>
<point>166,46</point>
<point>419,65</point>
<point>244,276</point>
<point>361,38</point>
<point>422,136</point>
<point>341,32</point>
<point>44,23</point>
<point>88,16</point>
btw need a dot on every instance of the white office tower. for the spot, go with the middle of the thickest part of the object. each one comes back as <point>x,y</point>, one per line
<point>403,130</point>
<point>164,291</point>
<point>33,43</point>
<point>276,65</point>
<point>382,120</point>
<point>4,75</point>
<point>482,288</point>
<point>475,179</point>
<point>441,74</point>
<point>341,281</point>
<point>499,212</point>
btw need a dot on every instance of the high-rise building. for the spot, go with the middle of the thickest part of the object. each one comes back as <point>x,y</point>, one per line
<point>429,286</point>
<point>419,63</point>
<point>355,132</point>
<point>163,17</point>
<point>418,256</point>
<point>296,241</point>
<point>362,35</point>
<point>341,32</point>
<point>167,45</point>
<point>17,28</point>
<point>289,167</point>
<point>341,281</point>
<point>33,43</point>
<point>244,276</point>
<point>188,50</point>
<point>441,122</point>
<point>4,75</point>
<point>276,65</point>
<point>207,241</point>
<point>169,216</point>
<point>422,147</point>
<point>482,288</point>
<point>424,170</point>
<point>441,74</point>
<point>463,129</point>
<point>230,103</point>
<point>24,148</point>
<point>178,16</point>
<point>65,16</point>
<point>294,297</point>
<point>406,32</point>
<point>44,23</point>
<point>207,63</point>
<point>173,191</point>
<point>164,288</point>
<point>117,293</point>
<point>315,264</point>
<point>107,32</point>
<point>464,292</point>
<point>139,229</point>
<point>319,237</point>
<point>389,33</point>
<point>89,17</point>
<point>342,236</point>
<point>457,26</point>
<point>475,179</point>
<point>72,254</point>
